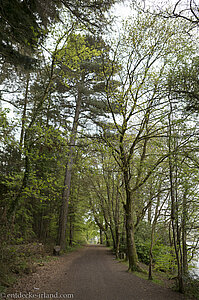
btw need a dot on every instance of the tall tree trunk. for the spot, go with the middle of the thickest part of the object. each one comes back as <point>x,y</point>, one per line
<point>175,238</point>
<point>174,213</point>
<point>149,211</point>
<point>71,231</point>
<point>131,247</point>
<point>68,173</point>
<point>123,233</point>
<point>113,236</point>
<point>117,242</point>
<point>184,233</point>
<point>107,235</point>
<point>101,237</point>
<point>150,277</point>
<point>107,239</point>
<point>117,221</point>
<point>28,142</point>
<point>154,223</point>
<point>24,113</point>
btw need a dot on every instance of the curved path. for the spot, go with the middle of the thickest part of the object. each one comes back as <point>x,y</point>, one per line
<point>92,273</point>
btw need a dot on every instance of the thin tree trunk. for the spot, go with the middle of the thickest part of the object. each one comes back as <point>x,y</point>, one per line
<point>150,277</point>
<point>157,213</point>
<point>107,239</point>
<point>101,237</point>
<point>71,231</point>
<point>28,143</point>
<point>117,242</point>
<point>184,233</point>
<point>117,220</point>
<point>24,113</point>
<point>113,236</point>
<point>68,173</point>
<point>149,211</point>
<point>173,209</point>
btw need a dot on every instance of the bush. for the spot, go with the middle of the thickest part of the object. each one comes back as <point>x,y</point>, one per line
<point>122,248</point>
<point>143,251</point>
<point>164,260</point>
<point>17,259</point>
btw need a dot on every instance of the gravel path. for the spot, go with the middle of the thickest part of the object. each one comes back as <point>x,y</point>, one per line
<point>91,273</point>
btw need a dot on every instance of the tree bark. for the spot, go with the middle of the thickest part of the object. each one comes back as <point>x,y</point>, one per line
<point>150,277</point>
<point>131,247</point>
<point>71,231</point>
<point>154,223</point>
<point>101,237</point>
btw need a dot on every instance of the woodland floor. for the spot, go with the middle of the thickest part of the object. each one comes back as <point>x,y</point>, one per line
<point>90,273</point>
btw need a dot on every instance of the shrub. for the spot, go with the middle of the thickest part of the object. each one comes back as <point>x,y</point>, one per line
<point>164,260</point>
<point>143,251</point>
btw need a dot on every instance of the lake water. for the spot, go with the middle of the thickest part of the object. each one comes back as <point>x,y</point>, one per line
<point>195,262</point>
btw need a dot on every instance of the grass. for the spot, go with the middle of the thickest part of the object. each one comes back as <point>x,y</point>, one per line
<point>164,280</point>
<point>7,278</point>
<point>156,279</point>
<point>159,278</point>
<point>73,248</point>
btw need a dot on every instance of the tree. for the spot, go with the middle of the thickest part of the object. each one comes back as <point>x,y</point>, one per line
<point>140,95</point>
<point>179,190</point>
<point>183,84</point>
<point>187,10</point>
<point>104,180</point>
<point>24,24</point>
<point>81,72</point>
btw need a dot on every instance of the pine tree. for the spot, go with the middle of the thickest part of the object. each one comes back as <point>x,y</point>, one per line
<point>24,24</point>
<point>81,69</point>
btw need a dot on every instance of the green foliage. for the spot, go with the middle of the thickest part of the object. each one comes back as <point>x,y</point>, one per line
<point>142,240</point>
<point>24,25</point>
<point>164,258</point>
<point>91,231</point>
<point>163,255</point>
<point>192,287</point>
<point>129,132</point>
<point>143,251</point>
<point>77,52</point>
<point>183,82</point>
<point>19,26</point>
<point>19,260</point>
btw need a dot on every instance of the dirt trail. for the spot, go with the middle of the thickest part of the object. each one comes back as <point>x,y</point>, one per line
<point>91,273</point>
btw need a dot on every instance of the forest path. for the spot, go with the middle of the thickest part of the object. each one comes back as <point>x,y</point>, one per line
<point>92,273</point>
